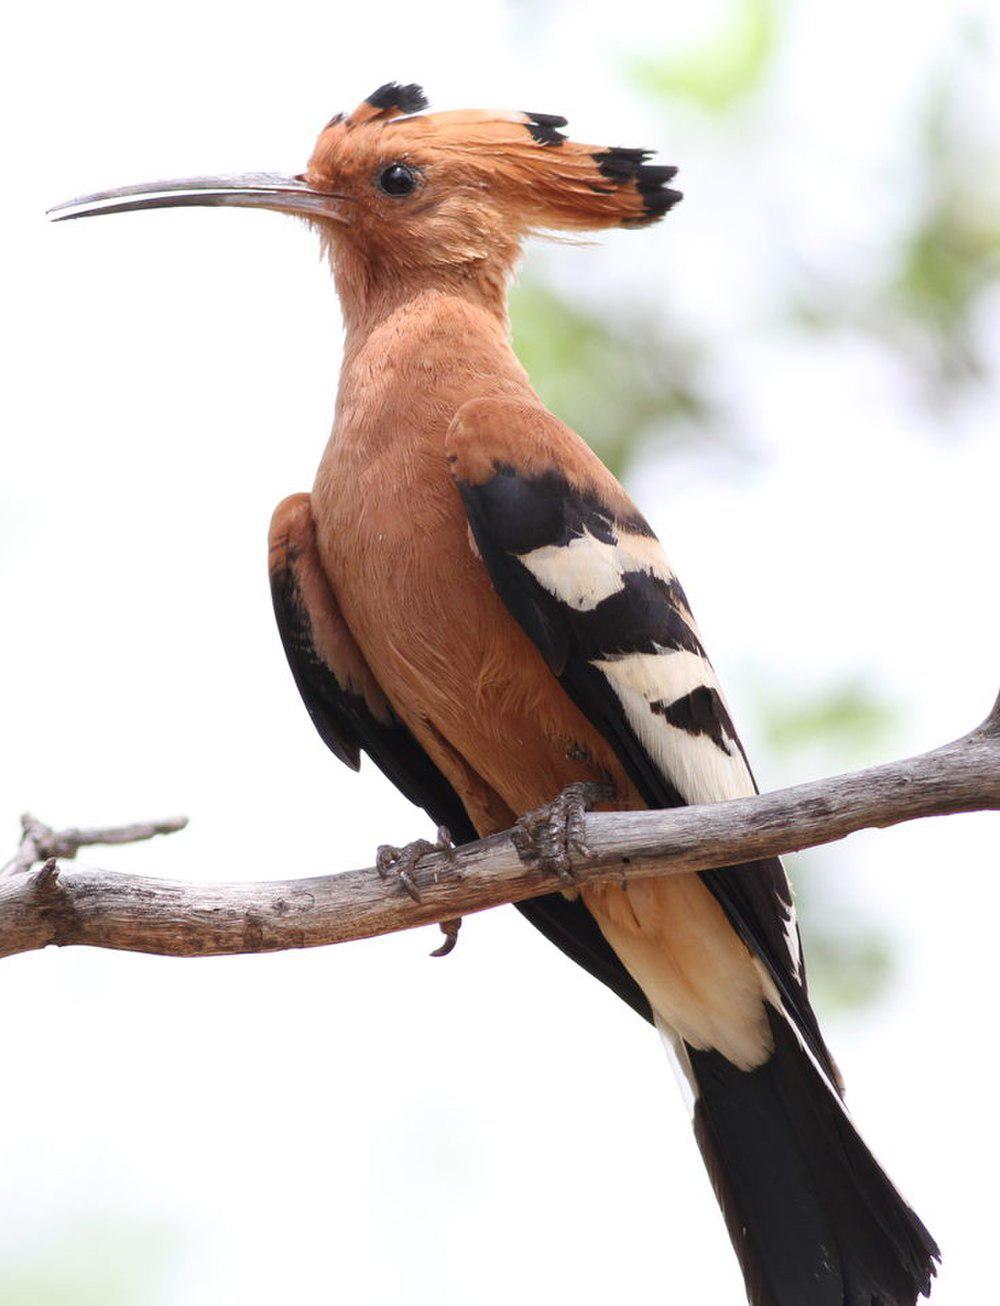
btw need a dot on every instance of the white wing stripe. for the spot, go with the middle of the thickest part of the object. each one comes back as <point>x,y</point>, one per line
<point>585,571</point>
<point>694,764</point>
<point>581,574</point>
<point>663,676</point>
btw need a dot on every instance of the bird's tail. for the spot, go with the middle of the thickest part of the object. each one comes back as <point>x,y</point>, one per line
<point>814,1219</point>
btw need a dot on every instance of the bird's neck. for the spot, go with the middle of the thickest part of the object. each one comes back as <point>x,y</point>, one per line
<point>371,293</point>
<point>410,362</point>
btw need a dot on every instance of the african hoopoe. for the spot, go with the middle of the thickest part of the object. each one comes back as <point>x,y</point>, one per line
<point>470,597</point>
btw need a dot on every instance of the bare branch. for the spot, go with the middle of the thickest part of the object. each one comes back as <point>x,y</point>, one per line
<point>51,905</point>
<point>40,842</point>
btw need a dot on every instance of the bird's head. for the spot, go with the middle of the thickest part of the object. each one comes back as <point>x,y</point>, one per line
<point>398,192</point>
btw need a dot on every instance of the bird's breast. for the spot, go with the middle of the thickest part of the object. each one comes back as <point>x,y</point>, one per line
<point>395,543</point>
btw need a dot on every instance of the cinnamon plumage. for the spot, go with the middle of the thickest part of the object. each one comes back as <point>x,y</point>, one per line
<point>468,596</point>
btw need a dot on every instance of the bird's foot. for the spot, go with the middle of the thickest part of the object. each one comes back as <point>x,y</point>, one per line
<point>546,837</point>
<point>402,862</point>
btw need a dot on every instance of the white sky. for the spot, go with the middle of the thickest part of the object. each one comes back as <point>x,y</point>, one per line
<point>361,1124</point>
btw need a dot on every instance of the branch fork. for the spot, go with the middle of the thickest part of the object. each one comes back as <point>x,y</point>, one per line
<point>40,842</point>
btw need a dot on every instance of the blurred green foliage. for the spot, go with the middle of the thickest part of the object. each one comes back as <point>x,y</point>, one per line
<point>849,718</point>
<point>951,255</point>
<point>90,1263</point>
<point>944,262</point>
<point>941,275</point>
<point>717,75</point>
<point>614,380</point>
<point>850,957</point>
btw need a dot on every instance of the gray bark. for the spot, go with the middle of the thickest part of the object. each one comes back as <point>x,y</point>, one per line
<point>43,902</point>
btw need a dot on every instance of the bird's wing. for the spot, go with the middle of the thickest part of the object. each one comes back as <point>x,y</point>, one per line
<point>341,695</point>
<point>582,572</point>
<point>351,714</point>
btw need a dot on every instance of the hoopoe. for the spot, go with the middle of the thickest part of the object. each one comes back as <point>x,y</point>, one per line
<point>468,596</point>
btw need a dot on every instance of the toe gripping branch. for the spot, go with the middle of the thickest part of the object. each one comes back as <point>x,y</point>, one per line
<point>546,837</point>
<point>402,862</point>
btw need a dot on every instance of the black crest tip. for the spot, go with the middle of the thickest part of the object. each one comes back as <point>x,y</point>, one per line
<point>657,197</point>
<point>624,167</point>
<point>543,127</point>
<point>619,164</point>
<point>405,99</point>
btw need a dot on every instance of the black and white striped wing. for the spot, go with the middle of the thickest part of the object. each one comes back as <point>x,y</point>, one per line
<point>591,586</point>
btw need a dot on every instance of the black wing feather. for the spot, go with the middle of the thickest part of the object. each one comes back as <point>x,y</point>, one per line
<point>346,724</point>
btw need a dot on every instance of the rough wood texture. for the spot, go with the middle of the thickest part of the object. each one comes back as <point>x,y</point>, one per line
<point>42,905</point>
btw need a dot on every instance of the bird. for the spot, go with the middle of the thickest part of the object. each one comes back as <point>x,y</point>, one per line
<point>469,597</point>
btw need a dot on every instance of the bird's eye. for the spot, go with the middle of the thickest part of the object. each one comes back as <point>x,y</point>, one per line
<point>397,179</point>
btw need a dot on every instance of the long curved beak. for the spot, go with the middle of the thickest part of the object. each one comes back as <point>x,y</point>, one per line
<point>249,190</point>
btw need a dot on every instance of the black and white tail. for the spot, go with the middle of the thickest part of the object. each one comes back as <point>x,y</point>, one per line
<point>813,1218</point>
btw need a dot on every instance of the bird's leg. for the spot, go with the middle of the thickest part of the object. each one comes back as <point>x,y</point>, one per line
<point>402,862</point>
<point>546,837</point>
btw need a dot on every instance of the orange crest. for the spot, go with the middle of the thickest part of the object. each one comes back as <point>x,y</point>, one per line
<point>518,164</point>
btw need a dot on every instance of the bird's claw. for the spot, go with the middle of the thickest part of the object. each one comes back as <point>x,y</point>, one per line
<point>402,862</point>
<point>450,931</point>
<point>546,837</point>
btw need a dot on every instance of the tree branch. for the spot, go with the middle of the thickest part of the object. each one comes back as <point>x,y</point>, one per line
<point>52,905</point>
<point>39,841</point>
